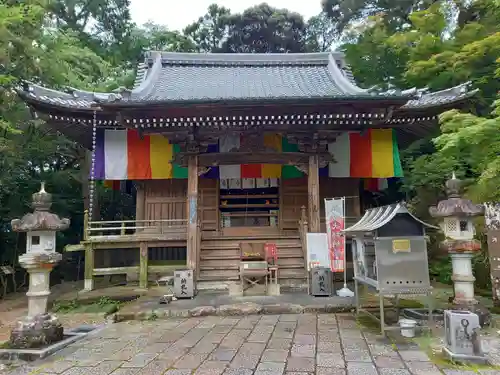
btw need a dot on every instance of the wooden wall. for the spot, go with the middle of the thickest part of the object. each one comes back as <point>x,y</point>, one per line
<point>166,199</point>
<point>293,195</point>
<point>208,204</point>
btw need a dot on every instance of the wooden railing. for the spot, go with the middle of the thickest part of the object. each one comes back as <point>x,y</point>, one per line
<point>104,228</point>
<point>303,229</point>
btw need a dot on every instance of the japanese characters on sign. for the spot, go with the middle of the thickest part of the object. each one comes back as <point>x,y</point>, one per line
<point>321,283</point>
<point>335,223</point>
<point>183,286</point>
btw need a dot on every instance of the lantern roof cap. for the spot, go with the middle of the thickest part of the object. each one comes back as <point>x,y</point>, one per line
<point>455,205</point>
<point>41,219</point>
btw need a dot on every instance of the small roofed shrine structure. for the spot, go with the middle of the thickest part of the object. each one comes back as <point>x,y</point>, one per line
<point>231,148</point>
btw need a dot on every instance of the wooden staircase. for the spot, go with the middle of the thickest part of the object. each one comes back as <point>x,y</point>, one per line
<point>220,258</point>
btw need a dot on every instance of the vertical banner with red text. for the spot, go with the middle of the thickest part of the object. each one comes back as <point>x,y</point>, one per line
<point>335,222</point>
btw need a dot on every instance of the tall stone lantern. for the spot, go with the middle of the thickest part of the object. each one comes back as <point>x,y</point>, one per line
<point>456,214</point>
<point>38,328</point>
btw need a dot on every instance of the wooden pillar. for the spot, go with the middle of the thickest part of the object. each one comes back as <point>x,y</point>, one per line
<point>192,213</point>
<point>89,268</point>
<point>313,193</point>
<point>140,212</point>
<point>143,265</point>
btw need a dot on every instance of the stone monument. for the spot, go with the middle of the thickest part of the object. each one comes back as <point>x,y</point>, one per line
<point>457,214</point>
<point>38,328</point>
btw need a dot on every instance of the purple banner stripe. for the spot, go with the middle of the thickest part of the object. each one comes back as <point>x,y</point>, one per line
<point>99,173</point>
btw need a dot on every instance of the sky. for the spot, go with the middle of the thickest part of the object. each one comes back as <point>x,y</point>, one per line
<point>178,16</point>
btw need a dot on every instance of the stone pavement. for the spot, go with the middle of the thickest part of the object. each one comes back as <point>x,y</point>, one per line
<point>291,344</point>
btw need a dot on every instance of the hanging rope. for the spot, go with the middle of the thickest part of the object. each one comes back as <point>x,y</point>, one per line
<point>92,171</point>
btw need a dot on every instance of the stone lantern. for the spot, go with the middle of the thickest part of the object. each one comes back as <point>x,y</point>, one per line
<point>457,214</point>
<point>38,328</point>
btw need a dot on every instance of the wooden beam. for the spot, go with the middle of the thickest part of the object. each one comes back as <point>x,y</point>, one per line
<point>192,213</point>
<point>313,193</point>
<point>143,265</point>
<point>140,203</point>
<point>89,268</point>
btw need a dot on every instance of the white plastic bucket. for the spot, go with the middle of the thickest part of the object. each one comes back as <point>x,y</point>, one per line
<point>407,327</point>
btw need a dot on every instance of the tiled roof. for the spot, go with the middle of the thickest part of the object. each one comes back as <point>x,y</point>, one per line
<point>191,77</point>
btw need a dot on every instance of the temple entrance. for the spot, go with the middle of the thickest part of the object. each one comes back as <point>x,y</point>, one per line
<point>249,202</point>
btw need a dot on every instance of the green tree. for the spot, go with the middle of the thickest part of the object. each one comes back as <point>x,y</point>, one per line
<point>321,33</point>
<point>208,33</point>
<point>264,29</point>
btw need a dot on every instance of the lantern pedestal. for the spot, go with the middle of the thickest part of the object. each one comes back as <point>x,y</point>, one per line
<point>38,328</point>
<point>463,284</point>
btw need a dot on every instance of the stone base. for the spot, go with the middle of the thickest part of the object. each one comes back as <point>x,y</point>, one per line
<point>235,290</point>
<point>36,332</point>
<point>273,289</point>
<point>482,312</point>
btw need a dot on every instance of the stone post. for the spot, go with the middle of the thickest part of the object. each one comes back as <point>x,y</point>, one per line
<point>456,214</point>
<point>38,328</point>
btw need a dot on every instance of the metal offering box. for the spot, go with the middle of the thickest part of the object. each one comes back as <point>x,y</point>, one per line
<point>390,251</point>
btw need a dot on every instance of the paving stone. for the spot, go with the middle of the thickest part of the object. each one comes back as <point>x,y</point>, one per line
<point>221,329</point>
<point>423,368</point>
<point>223,355</point>
<point>156,347</point>
<point>382,350</point>
<point>278,343</point>
<point>232,342</point>
<point>178,372</point>
<point>243,333</point>
<point>209,371</point>
<point>459,372</point>
<point>190,361</point>
<point>330,360</point>
<point>389,362</point>
<point>173,353</point>
<point>203,348</point>
<point>124,371</point>
<point>297,373</point>
<point>214,338</point>
<point>274,367</point>
<point>393,371</point>
<point>288,318</point>
<point>414,355</point>
<point>329,371</point>
<point>252,348</point>
<point>274,355</point>
<point>139,360</point>
<point>357,356</point>
<point>489,372</point>
<point>57,367</point>
<point>329,347</point>
<point>304,339</point>
<point>300,364</point>
<point>303,351</point>
<point>264,337</point>
<point>156,367</point>
<point>361,368</point>
<point>249,361</point>
<point>209,364</point>
<point>238,371</point>
<point>349,345</point>
<point>347,334</point>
